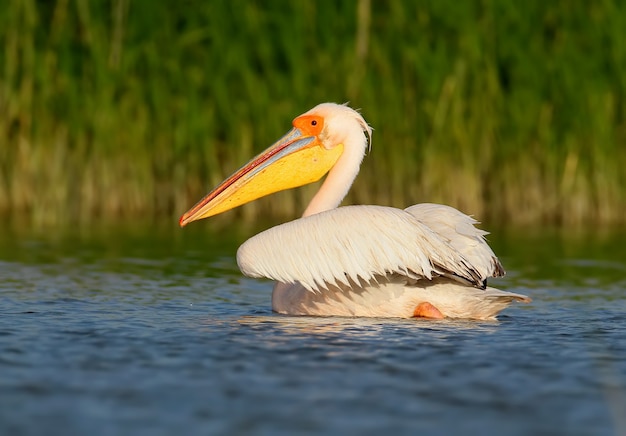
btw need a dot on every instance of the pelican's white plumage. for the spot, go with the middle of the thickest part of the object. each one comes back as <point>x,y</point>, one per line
<point>353,244</point>
<point>356,260</point>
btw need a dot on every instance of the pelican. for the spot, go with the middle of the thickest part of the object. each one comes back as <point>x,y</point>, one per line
<point>427,261</point>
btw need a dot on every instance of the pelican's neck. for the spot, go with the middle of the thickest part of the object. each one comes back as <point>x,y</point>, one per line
<point>339,179</point>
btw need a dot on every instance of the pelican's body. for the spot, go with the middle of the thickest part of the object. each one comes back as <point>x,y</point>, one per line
<point>425,261</point>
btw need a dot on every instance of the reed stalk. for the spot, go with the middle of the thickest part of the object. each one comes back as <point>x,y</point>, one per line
<point>116,109</point>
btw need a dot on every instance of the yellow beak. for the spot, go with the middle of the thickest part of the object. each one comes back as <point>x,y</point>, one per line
<point>293,161</point>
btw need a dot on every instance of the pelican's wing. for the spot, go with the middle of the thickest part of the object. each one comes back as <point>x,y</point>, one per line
<point>458,230</point>
<point>353,244</point>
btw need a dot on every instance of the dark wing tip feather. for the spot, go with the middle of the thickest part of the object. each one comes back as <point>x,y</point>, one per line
<point>467,275</point>
<point>498,269</point>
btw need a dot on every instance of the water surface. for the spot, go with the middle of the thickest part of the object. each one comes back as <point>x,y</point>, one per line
<point>151,330</point>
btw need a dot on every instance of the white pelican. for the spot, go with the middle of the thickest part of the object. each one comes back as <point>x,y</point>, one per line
<point>425,261</point>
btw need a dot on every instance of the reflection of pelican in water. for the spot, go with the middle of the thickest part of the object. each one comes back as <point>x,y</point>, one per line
<point>427,260</point>
<point>361,327</point>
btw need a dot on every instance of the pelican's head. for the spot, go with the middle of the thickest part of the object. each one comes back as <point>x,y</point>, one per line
<point>308,151</point>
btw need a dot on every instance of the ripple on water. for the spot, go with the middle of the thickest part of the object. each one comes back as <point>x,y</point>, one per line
<point>144,345</point>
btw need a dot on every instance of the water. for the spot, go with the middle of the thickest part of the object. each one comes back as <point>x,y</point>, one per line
<point>151,330</point>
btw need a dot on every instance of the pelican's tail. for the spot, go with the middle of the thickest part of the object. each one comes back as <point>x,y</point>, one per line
<point>460,301</point>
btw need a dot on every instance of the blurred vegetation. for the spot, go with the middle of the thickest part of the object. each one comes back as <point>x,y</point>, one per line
<point>511,111</point>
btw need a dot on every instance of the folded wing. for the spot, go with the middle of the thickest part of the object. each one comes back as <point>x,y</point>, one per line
<point>354,244</point>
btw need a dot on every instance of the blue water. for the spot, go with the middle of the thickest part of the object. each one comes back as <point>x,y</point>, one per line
<point>151,330</point>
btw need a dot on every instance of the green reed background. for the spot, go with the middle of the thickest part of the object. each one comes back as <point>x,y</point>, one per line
<point>511,111</point>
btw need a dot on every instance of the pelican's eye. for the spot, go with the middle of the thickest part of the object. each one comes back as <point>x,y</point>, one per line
<point>309,125</point>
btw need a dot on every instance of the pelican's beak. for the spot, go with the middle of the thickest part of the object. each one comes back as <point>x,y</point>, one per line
<point>296,159</point>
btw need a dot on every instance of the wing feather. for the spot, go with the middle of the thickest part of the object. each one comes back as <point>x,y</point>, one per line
<point>353,244</point>
<point>458,230</point>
